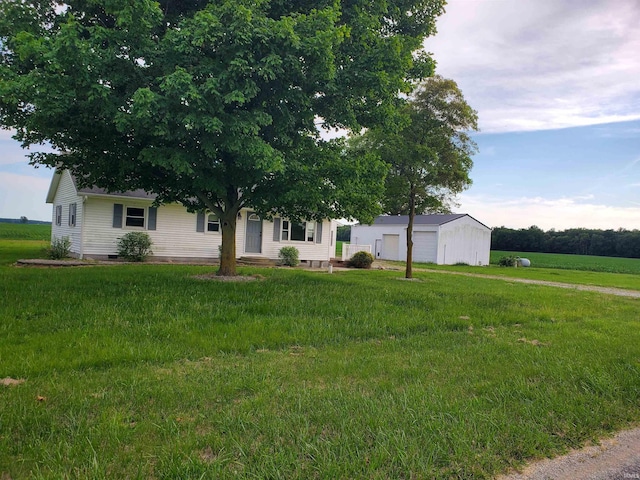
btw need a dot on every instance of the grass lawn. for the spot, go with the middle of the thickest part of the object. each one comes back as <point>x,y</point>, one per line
<point>147,372</point>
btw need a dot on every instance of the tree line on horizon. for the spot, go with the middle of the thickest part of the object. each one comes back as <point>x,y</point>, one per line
<point>579,241</point>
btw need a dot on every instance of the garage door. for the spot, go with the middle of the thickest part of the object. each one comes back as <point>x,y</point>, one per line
<point>390,247</point>
<point>425,247</point>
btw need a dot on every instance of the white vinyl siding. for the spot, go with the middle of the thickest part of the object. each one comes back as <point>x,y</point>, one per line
<point>463,239</point>
<point>66,221</point>
<point>322,248</point>
<point>175,235</point>
<point>172,229</point>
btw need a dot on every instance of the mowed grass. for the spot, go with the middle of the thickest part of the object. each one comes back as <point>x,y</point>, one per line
<point>148,372</point>
<point>12,250</point>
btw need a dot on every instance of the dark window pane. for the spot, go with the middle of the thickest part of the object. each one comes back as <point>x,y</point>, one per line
<point>297,232</point>
<point>213,224</point>
<point>135,222</point>
<point>135,217</point>
<point>135,212</point>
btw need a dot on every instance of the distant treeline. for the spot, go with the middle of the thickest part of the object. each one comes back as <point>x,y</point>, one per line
<point>24,220</point>
<point>344,233</point>
<point>580,241</point>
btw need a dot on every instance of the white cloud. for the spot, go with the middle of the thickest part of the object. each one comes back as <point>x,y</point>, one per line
<point>22,195</point>
<point>544,64</point>
<point>558,213</point>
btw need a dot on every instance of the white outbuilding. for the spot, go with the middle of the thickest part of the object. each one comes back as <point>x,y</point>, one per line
<point>441,239</point>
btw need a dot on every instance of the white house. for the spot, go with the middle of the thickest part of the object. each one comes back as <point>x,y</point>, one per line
<point>440,239</point>
<point>94,220</point>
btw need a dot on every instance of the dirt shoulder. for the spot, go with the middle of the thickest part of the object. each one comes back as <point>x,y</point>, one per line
<point>590,288</point>
<point>616,458</point>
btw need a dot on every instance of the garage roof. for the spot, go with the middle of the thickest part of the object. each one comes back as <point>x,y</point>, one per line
<point>418,220</point>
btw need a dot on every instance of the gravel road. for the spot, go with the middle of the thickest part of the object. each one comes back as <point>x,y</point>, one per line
<point>616,458</point>
<point>590,288</point>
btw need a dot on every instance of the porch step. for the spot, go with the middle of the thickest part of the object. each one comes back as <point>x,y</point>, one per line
<point>338,262</point>
<point>257,261</point>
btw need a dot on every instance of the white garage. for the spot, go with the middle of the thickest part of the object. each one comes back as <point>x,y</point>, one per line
<point>441,239</point>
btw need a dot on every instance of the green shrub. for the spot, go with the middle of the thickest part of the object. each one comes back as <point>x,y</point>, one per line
<point>508,261</point>
<point>134,246</point>
<point>289,256</point>
<point>59,248</point>
<point>361,260</point>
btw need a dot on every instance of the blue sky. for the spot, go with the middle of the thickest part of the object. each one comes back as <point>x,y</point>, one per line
<point>556,84</point>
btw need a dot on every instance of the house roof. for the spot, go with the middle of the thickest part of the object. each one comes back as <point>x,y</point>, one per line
<point>435,219</point>
<point>93,191</point>
<point>101,191</point>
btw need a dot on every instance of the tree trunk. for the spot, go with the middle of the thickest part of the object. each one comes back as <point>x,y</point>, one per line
<point>412,213</point>
<point>228,256</point>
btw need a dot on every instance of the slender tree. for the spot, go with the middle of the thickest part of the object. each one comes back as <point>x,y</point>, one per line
<point>429,157</point>
<point>213,103</point>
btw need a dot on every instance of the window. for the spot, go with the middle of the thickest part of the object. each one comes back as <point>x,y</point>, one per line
<point>72,214</point>
<point>58,214</point>
<point>311,227</point>
<point>298,232</point>
<point>213,223</point>
<point>135,217</point>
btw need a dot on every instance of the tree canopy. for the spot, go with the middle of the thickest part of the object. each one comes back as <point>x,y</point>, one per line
<point>214,104</point>
<point>429,156</point>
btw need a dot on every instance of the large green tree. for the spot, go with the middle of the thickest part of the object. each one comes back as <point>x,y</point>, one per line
<point>429,156</point>
<point>216,104</point>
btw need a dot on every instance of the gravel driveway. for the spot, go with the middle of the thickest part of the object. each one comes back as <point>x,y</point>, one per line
<point>590,288</point>
<point>616,458</point>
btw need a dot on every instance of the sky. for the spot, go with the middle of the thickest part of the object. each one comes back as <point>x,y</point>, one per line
<point>556,84</point>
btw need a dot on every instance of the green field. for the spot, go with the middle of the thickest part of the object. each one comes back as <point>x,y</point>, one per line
<point>19,231</point>
<point>574,262</point>
<point>144,371</point>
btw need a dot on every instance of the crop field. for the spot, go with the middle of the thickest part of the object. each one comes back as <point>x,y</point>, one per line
<point>19,231</point>
<point>575,262</point>
<point>151,371</point>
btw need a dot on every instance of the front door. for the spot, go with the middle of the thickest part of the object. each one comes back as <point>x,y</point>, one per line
<point>253,241</point>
